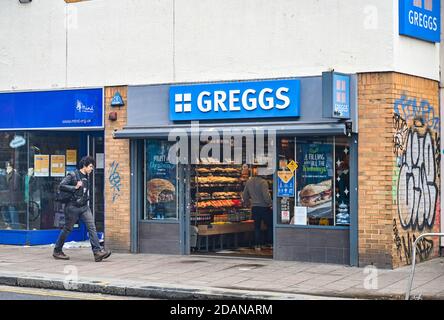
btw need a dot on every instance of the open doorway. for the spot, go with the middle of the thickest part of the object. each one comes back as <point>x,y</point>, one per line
<point>221,223</point>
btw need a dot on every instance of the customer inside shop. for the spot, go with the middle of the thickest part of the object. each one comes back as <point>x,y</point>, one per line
<point>222,200</point>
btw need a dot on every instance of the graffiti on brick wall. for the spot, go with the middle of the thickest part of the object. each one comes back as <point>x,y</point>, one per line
<point>397,239</point>
<point>424,248</point>
<point>422,114</point>
<point>417,182</point>
<point>115,180</point>
<point>416,145</point>
<point>400,137</point>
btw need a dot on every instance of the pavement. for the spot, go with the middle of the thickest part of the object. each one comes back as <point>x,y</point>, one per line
<point>208,277</point>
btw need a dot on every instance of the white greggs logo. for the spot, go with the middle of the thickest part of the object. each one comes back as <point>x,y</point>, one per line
<point>236,100</point>
<point>233,100</point>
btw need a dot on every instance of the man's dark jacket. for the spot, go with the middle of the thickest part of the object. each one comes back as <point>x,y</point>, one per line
<point>69,183</point>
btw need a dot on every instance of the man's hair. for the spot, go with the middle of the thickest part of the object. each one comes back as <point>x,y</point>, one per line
<point>86,161</point>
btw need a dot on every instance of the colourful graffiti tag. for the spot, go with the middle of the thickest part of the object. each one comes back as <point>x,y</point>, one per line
<point>422,115</point>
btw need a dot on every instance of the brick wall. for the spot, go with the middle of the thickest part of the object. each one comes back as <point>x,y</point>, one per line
<point>117,176</point>
<point>398,167</point>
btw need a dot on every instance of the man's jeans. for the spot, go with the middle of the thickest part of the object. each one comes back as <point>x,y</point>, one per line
<point>72,215</point>
<point>262,214</point>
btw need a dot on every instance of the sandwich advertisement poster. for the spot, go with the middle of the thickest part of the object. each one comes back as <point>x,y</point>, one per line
<point>314,178</point>
<point>161,181</point>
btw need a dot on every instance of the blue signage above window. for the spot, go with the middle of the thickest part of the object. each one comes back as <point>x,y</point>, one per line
<point>336,95</point>
<point>235,100</point>
<point>420,19</point>
<point>60,109</point>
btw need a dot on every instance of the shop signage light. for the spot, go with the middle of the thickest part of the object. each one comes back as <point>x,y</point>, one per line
<point>420,19</point>
<point>336,95</point>
<point>236,100</point>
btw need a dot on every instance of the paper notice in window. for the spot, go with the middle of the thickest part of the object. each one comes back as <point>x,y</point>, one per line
<point>41,165</point>
<point>71,157</point>
<point>57,166</point>
<point>300,216</point>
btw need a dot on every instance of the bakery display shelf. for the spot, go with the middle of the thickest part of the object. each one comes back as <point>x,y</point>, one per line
<point>218,198</point>
<point>226,163</point>
<point>219,174</point>
<point>214,185</point>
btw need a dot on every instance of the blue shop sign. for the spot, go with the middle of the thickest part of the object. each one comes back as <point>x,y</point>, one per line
<point>286,187</point>
<point>336,95</point>
<point>420,19</point>
<point>60,109</point>
<point>237,100</point>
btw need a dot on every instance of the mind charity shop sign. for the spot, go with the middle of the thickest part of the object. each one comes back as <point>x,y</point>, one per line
<point>420,19</point>
<point>235,100</point>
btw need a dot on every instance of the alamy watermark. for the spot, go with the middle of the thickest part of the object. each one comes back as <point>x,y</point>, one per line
<point>71,280</point>
<point>371,281</point>
<point>208,145</point>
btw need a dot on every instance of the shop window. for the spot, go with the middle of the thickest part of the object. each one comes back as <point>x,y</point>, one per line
<point>160,182</point>
<point>313,181</point>
<point>31,168</point>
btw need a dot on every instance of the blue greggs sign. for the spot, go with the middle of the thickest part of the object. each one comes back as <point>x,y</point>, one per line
<point>235,100</point>
<point>420,19</point>
<point>59,109</point>
<point>336,95</point>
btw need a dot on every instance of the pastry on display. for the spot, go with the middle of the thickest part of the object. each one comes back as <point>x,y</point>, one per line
<point>225,195</point>
<point>211,179</point>
<point>160,190</point>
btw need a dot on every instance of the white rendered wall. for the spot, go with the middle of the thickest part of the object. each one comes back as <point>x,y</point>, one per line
<point>32,45</point>
<point>414,56</point>
<point>116,42</point>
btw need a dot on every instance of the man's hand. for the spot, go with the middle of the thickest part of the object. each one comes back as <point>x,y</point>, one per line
<point>79,184</point>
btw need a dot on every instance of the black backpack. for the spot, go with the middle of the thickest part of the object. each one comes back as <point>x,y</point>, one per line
<point>64,196</point>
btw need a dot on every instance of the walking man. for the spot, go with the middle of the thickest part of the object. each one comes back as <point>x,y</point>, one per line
<point>77,208</point>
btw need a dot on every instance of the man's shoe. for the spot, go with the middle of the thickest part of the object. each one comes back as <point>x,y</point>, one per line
<point>60,256</point>
<point>103,254</point>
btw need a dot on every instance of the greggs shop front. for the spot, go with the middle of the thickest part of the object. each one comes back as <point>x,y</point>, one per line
<point>194,148</point>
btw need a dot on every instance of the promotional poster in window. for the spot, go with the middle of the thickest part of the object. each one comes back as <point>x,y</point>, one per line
<point>314,181</point>
<point>160,181</point>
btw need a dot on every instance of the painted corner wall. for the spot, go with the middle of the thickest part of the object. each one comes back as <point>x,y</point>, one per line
<point>399,168</point>
<point>53,44</point>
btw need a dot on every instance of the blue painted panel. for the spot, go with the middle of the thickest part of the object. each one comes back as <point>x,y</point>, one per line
<point>52,109</point>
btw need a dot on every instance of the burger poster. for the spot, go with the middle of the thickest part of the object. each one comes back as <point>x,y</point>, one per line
<point>161,181</point>
<point>314,179</point>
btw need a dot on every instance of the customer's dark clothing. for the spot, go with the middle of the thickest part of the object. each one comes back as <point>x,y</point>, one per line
<point>256,192</point>
<point>262,214</point>
<point>80,195</point>
<point>72,215</point>
<point>77,209</point>
<point>257,195</point>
